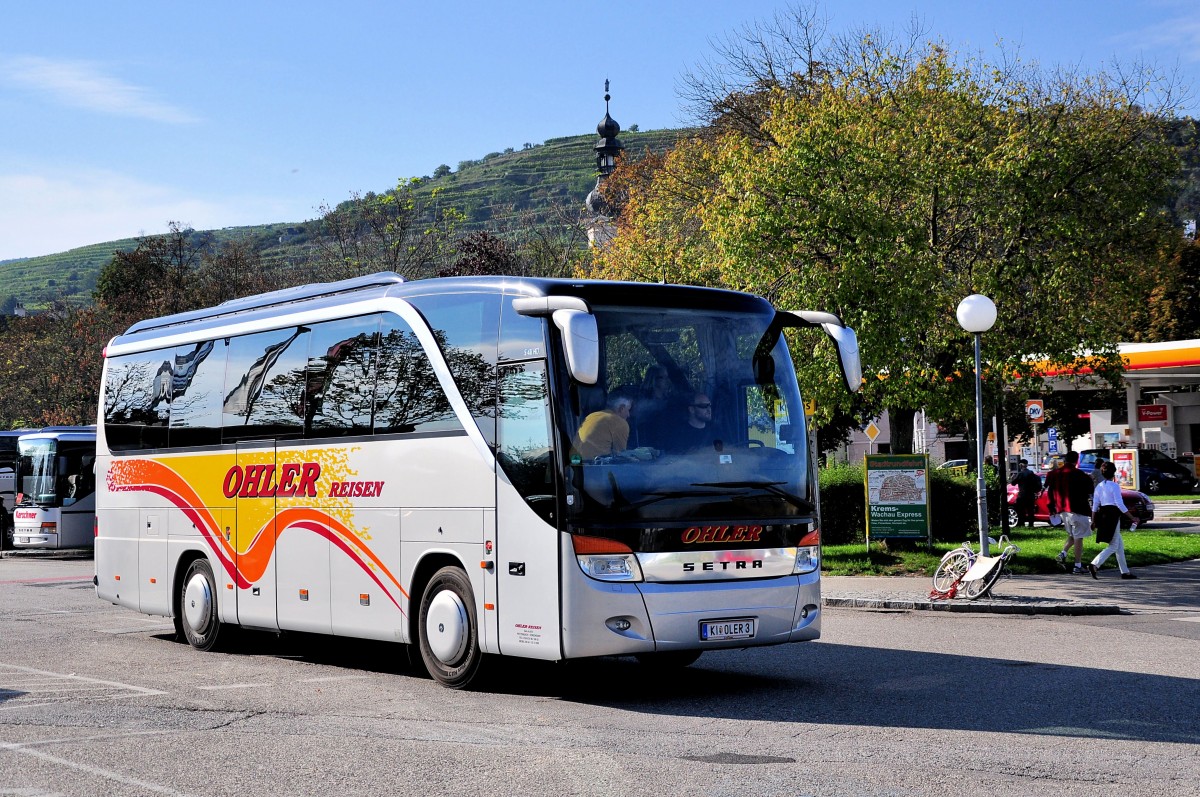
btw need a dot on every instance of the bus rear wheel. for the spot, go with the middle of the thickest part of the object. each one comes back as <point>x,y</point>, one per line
<point>448,631</point>
<point>198,606</point>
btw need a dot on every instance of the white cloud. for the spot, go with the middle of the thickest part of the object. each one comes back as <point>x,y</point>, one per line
<point>80,84</point>
<point>42,214</point>
<point>1166,40</point>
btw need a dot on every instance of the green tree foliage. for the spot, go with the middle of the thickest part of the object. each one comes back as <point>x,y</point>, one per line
<point>481,254</point>
<point>395,231</point>
<point>885,182</point>
<point>52,363</point>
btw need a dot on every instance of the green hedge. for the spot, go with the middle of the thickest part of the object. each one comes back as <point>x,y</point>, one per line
<point>952,505</point>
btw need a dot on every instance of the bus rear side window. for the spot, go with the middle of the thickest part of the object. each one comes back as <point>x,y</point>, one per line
<point>264,386</point>
<point>137,400</point>
<point>198,389</point>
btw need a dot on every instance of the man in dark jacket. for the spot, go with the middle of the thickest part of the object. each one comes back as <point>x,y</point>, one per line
<point>1029,486</point>
<point>1070,497</point>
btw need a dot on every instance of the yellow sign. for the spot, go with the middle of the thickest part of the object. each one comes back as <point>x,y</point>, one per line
<point>872,431</point>
<point>810,407</point>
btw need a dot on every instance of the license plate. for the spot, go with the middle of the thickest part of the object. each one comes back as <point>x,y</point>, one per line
<point>718,630</point>
<point>23,540</point>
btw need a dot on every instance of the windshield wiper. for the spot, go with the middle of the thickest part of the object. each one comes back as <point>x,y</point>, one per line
<point>770,487</point>
<point>663,495</point>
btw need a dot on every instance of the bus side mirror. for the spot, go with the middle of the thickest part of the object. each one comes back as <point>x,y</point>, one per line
<point>581,342</point>
<point>842,336</point>
<point>847,347</point>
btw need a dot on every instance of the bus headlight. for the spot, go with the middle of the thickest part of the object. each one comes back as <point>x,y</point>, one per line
<point>808,559</point>
<point>605,559</point>
<point>611,567</point>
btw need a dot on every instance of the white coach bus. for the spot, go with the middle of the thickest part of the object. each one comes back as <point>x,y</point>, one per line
<point>56,488</point>
<point>470,465</point>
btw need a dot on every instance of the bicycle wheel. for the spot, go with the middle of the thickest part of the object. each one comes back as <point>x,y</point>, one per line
<point>951,569</point>
<point>981,586</point>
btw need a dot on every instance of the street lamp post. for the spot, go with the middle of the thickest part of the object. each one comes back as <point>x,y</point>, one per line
<point>976,314</point>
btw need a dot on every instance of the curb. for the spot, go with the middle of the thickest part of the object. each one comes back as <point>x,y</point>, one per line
<point>1004,606</point>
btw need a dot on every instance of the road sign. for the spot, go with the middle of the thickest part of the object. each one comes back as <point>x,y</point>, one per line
<point>872,431</point>
<point>1035,410</point>
<point>1052,440</point>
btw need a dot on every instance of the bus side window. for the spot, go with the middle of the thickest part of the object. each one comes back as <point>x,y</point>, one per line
<point>198,389</point>
<point>340,383</point>
<point>137,401</point>
<point>466,326</point>
<point>264,385</point>
<point>408,396</point>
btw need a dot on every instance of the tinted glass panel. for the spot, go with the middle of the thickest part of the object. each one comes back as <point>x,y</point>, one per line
<point>341,377</point>
<point>408,396</point>
<point>465,326</point>
<point>525,451</point>
<point>522,337</point>
<point>264,385</point>
<point>198,385</point>
<point>137,400</point>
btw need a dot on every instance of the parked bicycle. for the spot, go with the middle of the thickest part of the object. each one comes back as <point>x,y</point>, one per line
<point>964,571</point>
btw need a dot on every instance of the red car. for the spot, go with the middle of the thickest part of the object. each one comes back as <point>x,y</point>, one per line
<point>1140,506</point>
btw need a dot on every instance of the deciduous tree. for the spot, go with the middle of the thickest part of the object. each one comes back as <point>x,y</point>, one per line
<point>885,181</point>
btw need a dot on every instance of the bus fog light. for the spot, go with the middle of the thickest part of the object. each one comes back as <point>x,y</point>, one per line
<point>808,559</point>
<point>619,624</point>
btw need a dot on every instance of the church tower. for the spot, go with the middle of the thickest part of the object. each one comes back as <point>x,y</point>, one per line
<point>600,229</point>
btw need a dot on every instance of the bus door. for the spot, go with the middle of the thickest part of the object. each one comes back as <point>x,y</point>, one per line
<point>254,534</point>
<point>527,537</point>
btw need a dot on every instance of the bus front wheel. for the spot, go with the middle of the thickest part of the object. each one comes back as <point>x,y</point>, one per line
<point>198,606</point>
<point>449,633</point>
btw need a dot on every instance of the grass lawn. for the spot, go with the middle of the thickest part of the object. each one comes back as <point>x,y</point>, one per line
<point>1038,547</point>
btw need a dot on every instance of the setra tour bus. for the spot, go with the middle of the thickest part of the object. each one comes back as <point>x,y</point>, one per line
<point>469,465</point>
<point>56,488</point>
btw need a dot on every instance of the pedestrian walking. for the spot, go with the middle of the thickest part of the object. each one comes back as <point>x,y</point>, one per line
<point>1070,496</point>
<point>1107,508</point>
<point>1029,486</point>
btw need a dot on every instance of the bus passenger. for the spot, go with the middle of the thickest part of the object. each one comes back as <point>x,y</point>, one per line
<point>606,431</point>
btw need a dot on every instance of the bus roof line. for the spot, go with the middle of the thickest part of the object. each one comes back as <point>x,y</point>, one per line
<point>273,298</point>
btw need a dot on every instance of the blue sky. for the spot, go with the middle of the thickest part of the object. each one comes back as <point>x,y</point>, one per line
<point>120,116</point>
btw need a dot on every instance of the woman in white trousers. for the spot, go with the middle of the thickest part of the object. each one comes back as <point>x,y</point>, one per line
<point>1107,508</point>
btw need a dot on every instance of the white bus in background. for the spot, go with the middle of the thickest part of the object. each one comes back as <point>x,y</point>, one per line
<point>56,488</point>
<point>8,481</point>
<point>398,461</point>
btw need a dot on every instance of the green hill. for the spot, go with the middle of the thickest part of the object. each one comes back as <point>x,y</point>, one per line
<point>561,170</point>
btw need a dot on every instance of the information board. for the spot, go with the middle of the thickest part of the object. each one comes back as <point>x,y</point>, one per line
<point>897,488</point>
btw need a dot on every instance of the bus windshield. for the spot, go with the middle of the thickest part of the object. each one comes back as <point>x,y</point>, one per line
<point>696,416</point>
<point>54,473</point>
<point>37,471</point>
